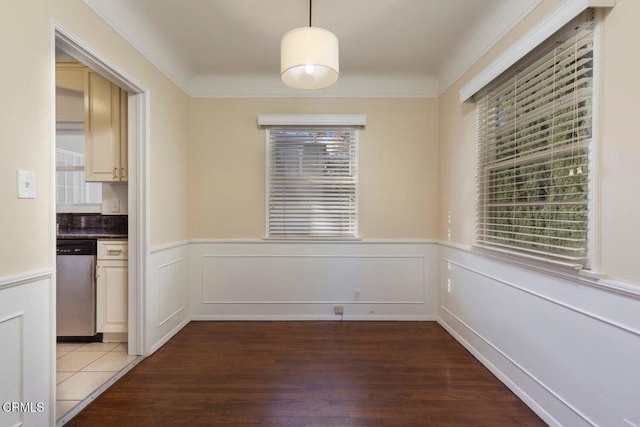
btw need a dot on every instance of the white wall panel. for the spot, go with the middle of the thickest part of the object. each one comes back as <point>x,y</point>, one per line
<point>269,280</point>
<point>567,347</point>
<point>167,291</point>
<point>11,370</point>
<point>172,290</point>
<point>27,353</point>
<point>308,279</point>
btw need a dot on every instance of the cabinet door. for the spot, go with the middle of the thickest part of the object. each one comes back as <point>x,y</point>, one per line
<point>102,132</point>
<point>70,93</point>
<point>112,296</point>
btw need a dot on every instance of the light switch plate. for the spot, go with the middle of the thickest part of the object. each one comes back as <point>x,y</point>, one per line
<point>26,184</point>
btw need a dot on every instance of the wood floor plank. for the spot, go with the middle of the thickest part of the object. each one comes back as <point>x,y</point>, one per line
<point>309,374</point>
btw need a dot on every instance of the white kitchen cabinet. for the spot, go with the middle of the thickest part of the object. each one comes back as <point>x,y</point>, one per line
<point>112,272</point>
<point>106,145</point>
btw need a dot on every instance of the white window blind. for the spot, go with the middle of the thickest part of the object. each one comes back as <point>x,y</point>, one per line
<point>534,133</point>
<point>312,182</point>
<point>71,188</point>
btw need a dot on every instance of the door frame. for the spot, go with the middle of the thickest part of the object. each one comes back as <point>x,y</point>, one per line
<point>138,179</point>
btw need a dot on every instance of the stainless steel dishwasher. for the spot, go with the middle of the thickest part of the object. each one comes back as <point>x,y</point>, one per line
<point>76,288</point>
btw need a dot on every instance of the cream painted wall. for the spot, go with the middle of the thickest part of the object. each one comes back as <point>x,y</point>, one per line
<point>169,110</point>
<point>25,137</point>
<point>25,130</point>
<point>398,164</point>
<point>619,228</point>
<point>169,174</point>
<point>457,127</point>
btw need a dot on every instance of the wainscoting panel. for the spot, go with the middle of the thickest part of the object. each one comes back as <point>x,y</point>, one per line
<point>566,347</point>
<point>267,280</point>
<point>167,310</point>
<point>27,352</point>
<point>309,279</point>
<point>172,290</point>
<point>11,370</point>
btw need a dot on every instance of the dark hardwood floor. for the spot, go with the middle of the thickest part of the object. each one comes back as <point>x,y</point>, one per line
<point>309,374</point>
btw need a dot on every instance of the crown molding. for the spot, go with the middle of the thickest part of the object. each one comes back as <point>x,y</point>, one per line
<point>481,40</point>
<point>153,50</point>
<point>556,19</point>
<point>152,46</point>
<point>348,86</point>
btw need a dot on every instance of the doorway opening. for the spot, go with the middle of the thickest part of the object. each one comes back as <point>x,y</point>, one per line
<point>107,209</point>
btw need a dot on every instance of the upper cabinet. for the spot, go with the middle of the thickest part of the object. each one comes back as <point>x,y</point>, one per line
<point>105,131</point>
<point>70,92</point>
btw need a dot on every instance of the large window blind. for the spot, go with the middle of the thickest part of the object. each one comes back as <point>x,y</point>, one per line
<point>312,182</point>
<point>534,134</point>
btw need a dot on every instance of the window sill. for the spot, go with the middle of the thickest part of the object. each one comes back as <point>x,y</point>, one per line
<point>557,268</point>
<point>594,279</point>
<point>85,208</point>
<point>311,239</point>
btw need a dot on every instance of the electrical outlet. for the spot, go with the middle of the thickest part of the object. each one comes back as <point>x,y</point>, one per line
<point>356,295</point>
<point>338,309</point>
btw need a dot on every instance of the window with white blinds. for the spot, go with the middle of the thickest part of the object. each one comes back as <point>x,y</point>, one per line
<point>71,188</point>
<point>534,134</point>
<point>312,179</point>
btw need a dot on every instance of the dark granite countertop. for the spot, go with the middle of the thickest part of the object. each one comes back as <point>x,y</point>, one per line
<point>91,226</point>
<point>86,234</point>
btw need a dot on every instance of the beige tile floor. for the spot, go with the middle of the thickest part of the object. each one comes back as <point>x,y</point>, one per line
<point>82,368</point>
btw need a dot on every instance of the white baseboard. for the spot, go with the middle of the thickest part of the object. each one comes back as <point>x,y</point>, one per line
<point>276,317</point>
<point>162,341</point>
<point>561,345</point>
<point>392,318</point>
<point>260,318</point>
<point>504,378</point>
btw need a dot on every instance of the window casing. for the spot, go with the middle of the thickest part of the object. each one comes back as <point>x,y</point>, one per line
<point>534,152</point>
<point>312,179</point>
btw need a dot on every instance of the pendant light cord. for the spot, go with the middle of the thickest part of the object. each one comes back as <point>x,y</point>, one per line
<point>310,7</point>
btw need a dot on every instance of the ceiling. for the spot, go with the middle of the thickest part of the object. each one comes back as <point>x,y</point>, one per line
<point>387,47</point>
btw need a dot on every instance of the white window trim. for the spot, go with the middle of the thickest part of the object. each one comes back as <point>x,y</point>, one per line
<point>549,25</point>
<point>593,235</point>
<point>269,120</point>
<point>312,119</point>
<point>564,13</point>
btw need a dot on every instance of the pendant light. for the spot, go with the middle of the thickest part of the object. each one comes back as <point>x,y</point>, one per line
<point>309,57</point>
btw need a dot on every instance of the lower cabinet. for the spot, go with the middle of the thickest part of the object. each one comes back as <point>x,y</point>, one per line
<point>112,275</point>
